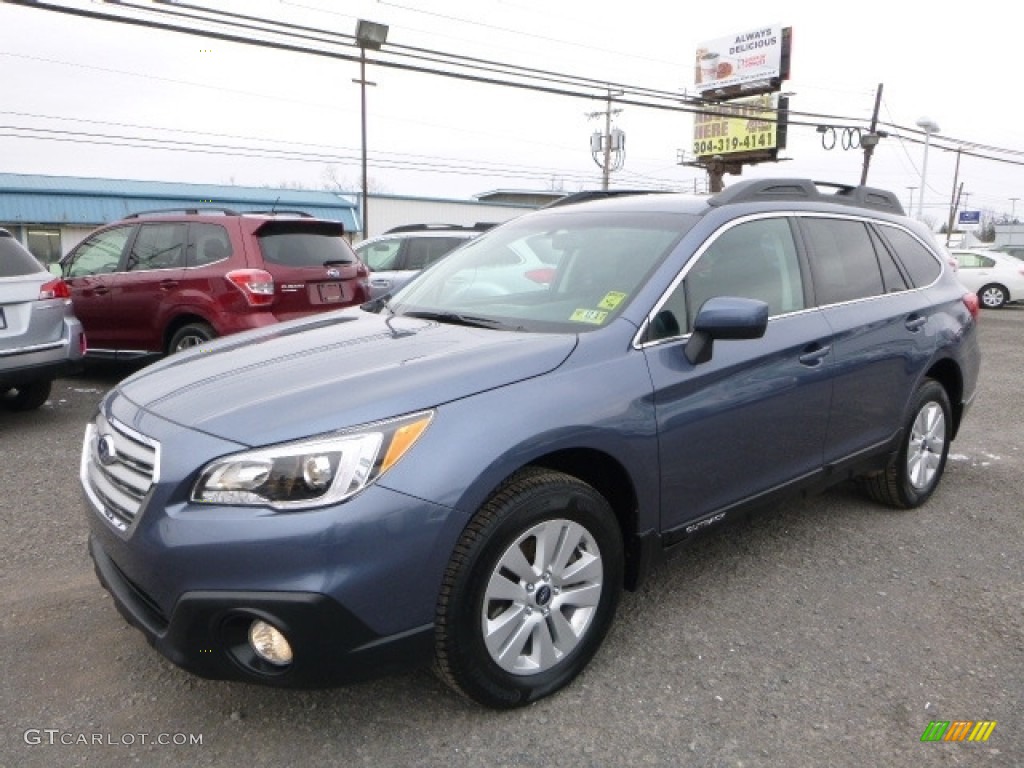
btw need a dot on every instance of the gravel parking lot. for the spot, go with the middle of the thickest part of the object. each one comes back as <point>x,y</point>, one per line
<point>827,633</point>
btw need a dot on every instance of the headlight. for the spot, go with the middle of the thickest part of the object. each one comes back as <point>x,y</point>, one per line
<point>310,473</point>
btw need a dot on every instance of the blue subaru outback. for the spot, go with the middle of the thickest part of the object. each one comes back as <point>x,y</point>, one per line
<point>471,472</point>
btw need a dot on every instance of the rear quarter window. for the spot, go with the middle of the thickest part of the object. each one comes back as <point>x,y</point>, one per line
<point>920,263</point>
<point>15,260</point>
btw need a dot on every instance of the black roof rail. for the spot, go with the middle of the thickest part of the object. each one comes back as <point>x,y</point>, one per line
<point>753,190</point>
<point>480,226</point>
<point>598,194</point>
<point>280,212</point>
<point>185,211</point>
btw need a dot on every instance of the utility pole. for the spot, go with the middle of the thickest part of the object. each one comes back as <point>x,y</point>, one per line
<point>611,140</point>
<point>869,140</point>
<point>955,198</point>
<point>911,206</point>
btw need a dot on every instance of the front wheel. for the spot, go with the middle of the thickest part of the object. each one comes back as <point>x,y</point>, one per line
<point>530,591</point>
<point>914,474</point>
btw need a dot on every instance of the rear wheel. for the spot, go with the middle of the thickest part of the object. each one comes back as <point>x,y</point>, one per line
<point>27,397</point>
<point>993,296</point>
<point>191,335</point>
<point>914,474</point>
<point>530,591</point>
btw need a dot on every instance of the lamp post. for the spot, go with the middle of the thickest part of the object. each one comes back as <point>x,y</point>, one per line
<point>911,206</point>
<point>1013,208</point>
<point>929,127</point>
<point>369,34</point>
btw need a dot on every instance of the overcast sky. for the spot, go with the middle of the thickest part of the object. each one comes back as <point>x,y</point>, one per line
<point>85,84</point>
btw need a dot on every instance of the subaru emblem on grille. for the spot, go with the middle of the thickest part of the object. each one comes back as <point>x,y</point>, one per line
<point>332,272</point>
<point>105,450</point>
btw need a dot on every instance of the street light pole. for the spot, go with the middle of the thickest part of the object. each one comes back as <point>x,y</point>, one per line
<point>1013,208</point>
<point>929,127</point>
<point>911,206</point>
<point>372,35</point>
<point>362,112</point>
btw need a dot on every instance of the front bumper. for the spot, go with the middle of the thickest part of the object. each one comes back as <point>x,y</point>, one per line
<point>207,632</point>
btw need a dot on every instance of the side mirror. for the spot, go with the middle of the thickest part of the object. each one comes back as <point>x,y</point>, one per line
<point>726,318</point>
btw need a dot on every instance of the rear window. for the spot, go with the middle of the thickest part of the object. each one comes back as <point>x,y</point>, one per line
<point>15,260</point>
<point>291,246</point>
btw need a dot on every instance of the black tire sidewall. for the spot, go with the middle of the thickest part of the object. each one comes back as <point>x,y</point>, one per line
<point>929,392</point>
<point>477,673</point>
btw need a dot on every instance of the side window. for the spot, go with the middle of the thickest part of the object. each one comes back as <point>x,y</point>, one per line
<point>921,264</point>
<point>968,260</point>
<point>207,243</point>
<point>158,246</point>
<point>424,251</point>
<point>100,254</point>
<point>754,260</point>
<point>843,260</point>
<point>381,256</point>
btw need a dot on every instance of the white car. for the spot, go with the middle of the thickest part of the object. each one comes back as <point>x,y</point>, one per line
<point>996,277</point>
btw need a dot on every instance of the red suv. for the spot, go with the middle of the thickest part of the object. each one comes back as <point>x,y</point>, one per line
<point>159,282</point>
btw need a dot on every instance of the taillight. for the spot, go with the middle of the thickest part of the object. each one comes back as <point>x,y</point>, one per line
<point>55,289</point>
<point>972,304</point>
<point>256,285</point>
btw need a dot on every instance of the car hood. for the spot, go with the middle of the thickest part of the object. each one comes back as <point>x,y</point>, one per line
<point>334,371</point>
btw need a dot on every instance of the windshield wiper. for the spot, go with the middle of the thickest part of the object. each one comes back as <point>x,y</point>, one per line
<point>453,318</point>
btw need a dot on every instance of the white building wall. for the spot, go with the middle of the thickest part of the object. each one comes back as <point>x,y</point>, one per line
<point>389,212</point>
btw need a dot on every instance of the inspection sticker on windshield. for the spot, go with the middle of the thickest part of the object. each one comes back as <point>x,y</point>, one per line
<point>611,300</point>
<point>595,316</point>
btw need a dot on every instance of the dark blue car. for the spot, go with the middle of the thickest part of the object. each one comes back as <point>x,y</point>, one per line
<point>471,473</point>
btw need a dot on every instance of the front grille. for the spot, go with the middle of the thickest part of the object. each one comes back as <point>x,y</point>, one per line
<point>119,466</point>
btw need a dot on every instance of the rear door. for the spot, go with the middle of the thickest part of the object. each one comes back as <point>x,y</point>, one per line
<point>89,270</point>
<point>313,267</point>
<point>882,336</point>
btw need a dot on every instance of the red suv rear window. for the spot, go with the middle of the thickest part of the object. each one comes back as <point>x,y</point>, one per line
<point>304,244</point>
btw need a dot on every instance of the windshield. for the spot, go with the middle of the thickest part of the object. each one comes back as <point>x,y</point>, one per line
<point>552,272</point>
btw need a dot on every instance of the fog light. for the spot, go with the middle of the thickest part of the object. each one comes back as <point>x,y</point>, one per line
<point>269,644</point>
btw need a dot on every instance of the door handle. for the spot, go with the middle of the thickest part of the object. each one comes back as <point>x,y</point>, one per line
<point>101,290</point>
<point>168,285</point>
<point>815,354</point>
<point>915,323</point>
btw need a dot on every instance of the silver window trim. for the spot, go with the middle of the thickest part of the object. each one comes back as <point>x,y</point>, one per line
<point>637,338</point>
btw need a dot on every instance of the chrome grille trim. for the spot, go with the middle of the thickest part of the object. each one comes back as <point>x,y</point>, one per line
<point>119,488</point>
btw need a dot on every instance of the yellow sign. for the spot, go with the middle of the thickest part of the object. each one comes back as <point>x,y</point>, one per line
<point>611,300</point>
<point>741,125</point>
<point>592,316</point>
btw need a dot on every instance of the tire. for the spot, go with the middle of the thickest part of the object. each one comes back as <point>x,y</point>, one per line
<point>515,621</point>
<point>912,477</point>
<point>28,397</point>
<point>191,335</point>
<point>993,296</point>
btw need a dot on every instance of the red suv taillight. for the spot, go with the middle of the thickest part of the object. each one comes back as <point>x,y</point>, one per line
<point>257,285</point>
<point>972,304</point>
<point>55,289</point>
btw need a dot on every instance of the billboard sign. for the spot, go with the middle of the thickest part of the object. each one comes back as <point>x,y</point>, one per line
<point>754,124</point>
<point>969,217</point>
<point>744,62</point>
